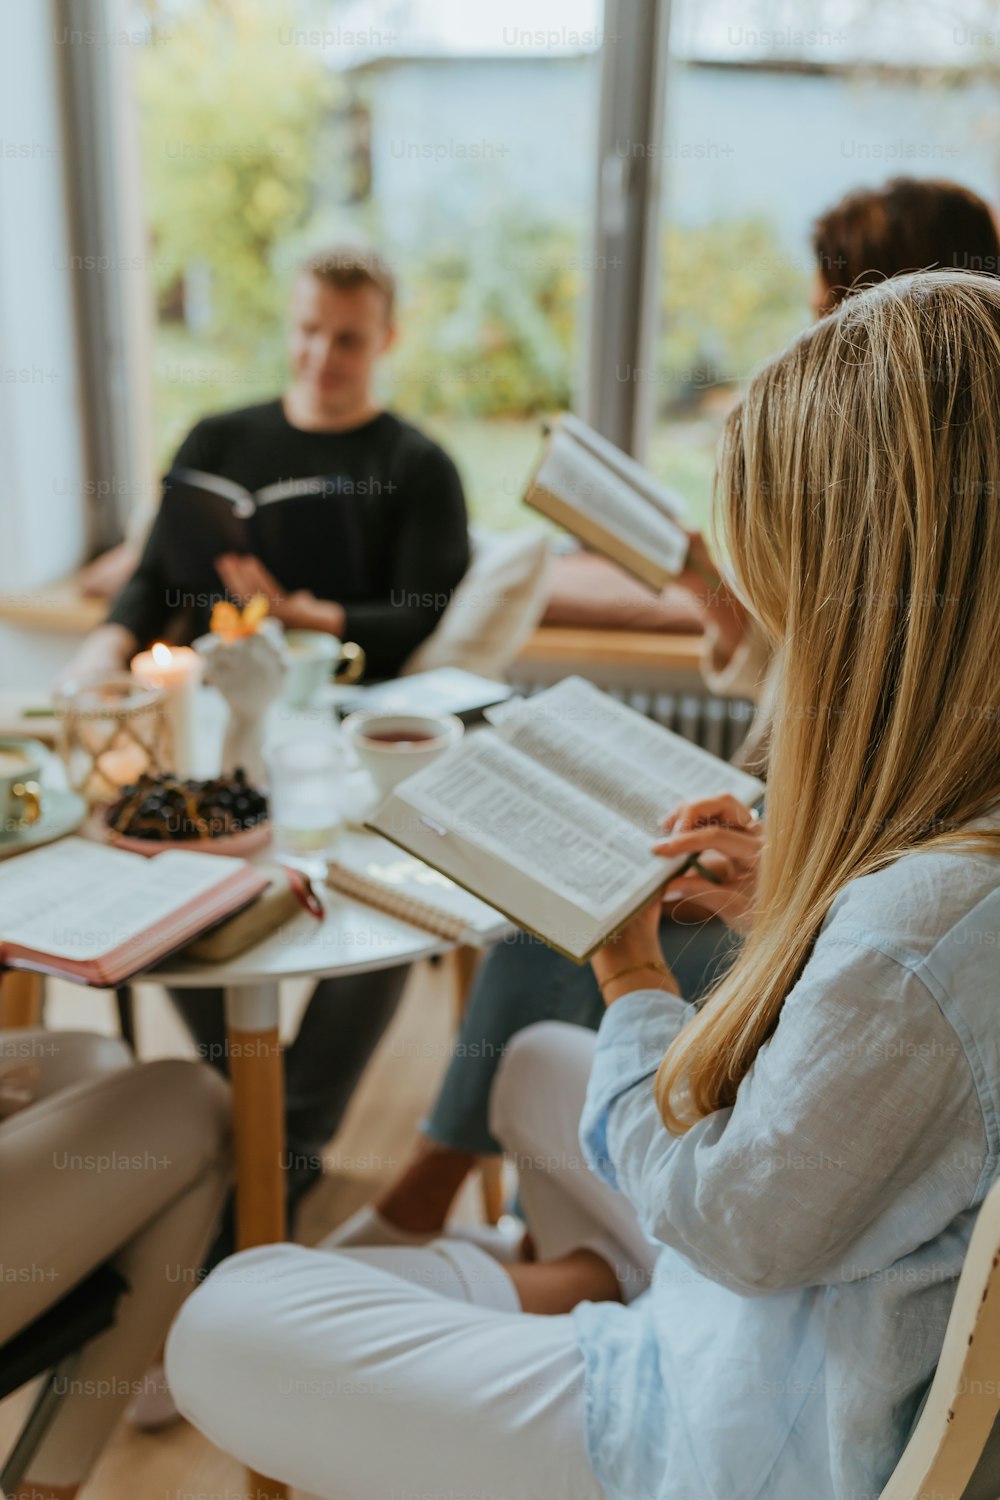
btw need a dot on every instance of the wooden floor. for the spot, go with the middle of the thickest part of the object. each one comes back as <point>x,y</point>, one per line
<point>376,1136</point>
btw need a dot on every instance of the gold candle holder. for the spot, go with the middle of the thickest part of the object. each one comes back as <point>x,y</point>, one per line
<point>112,730</point>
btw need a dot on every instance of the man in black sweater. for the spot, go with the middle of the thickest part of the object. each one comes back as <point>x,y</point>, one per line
<point>399,496</point>
<point>405,548</point>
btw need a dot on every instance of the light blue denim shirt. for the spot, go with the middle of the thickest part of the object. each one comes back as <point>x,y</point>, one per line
<point>814,1232</point>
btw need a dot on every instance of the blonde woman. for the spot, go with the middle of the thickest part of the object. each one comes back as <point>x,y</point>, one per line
<point>799,1165</point>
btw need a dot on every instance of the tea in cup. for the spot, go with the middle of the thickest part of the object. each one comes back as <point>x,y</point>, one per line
<point>393,746</point>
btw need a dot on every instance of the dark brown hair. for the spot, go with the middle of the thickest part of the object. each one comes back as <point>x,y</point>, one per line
<point>906,225</point>
<point>347,267</point>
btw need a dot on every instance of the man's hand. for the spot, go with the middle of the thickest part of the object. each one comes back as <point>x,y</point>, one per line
<point>244,576</point>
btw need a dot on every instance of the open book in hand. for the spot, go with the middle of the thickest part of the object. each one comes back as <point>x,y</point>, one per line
<point>100,915</point>
<point>550,814</point>
<point>203,516</point>
<point>611,503</point>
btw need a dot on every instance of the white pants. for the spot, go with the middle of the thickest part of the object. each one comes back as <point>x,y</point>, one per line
<point>396,1374</point>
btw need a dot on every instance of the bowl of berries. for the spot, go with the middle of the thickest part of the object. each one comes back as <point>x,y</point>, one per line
<point>224,815</point>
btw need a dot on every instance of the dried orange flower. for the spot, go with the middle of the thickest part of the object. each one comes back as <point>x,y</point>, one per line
<point>232,623</point>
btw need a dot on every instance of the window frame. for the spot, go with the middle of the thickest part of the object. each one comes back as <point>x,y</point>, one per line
<point>623,307</point>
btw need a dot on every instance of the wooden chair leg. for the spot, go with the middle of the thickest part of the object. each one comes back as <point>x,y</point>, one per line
<point>465,962</point>
<point>491,1184</point>
<point>21,995</point>
<point>258,1098</point>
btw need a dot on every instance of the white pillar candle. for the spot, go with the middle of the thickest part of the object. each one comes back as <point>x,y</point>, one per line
<point>177,669</point>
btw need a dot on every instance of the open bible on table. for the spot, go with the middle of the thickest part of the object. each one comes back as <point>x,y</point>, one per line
<point>549,815</point>
<point>100,915</point>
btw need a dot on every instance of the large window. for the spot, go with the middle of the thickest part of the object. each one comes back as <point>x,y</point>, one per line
<point>458,138</point>
<point>775,111</point>
<point>463,139</point>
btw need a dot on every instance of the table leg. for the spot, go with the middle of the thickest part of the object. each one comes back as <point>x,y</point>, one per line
<point>21,998</point>
<point>258,1136</point>
<point>466,961</point>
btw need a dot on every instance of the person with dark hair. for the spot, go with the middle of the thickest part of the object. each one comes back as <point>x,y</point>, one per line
<point>907,225</point>
<point>868,235</point>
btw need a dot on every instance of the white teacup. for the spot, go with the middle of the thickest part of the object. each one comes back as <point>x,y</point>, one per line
<point>21,762</point>
<point>394,746</point>
<point>314,658</point>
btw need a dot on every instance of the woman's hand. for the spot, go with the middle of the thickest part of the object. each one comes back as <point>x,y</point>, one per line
<point>632,960</point>
<point>729,840</point>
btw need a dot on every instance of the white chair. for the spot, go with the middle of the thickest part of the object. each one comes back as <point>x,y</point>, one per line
<point>954,1452</point>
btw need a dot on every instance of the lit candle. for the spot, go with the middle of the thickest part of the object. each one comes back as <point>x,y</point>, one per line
<point>177,669</point>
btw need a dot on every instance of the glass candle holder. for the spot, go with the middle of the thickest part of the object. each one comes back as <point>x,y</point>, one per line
<point>112,730</point>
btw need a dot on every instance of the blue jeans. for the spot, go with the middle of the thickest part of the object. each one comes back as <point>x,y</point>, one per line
<point>522,981</point>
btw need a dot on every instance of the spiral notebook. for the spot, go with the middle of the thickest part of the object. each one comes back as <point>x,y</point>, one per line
<point>377,873</point>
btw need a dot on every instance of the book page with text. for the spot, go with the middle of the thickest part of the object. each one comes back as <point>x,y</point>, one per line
<point>523,814</point>
<point>665,500</point>
<point>635,767</point>
<point>574,474</point>
<point>79,900</point>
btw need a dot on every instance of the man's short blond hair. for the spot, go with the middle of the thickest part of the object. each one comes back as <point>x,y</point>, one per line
<point>349,266</point>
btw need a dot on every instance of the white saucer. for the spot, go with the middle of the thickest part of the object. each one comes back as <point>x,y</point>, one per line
<point>62,813</point>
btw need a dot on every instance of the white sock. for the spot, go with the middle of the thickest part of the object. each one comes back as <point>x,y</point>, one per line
<point>368,1227</point>
<point>449,1268</point>
<point>153,1408</point>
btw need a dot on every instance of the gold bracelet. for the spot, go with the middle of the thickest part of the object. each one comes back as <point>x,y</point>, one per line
<point>656,964</point>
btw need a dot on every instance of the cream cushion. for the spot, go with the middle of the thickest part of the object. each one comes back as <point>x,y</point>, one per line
<point>495,608</point>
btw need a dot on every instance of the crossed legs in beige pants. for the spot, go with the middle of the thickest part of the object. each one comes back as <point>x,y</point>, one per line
<point>111,1161</point>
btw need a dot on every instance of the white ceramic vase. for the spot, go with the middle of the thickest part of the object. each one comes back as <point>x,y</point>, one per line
<point>250,673</point>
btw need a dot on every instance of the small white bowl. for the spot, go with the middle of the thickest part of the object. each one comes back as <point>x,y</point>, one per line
<point>394,746</point>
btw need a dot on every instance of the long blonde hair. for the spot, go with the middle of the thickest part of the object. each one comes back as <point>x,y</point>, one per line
<point>859,496</point>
